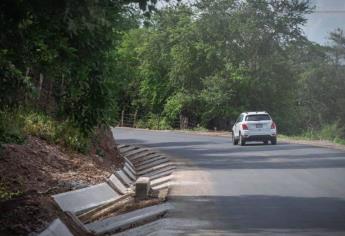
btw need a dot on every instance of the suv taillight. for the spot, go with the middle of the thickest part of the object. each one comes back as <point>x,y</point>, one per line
<point>245,126</point>
<point>273,126</point>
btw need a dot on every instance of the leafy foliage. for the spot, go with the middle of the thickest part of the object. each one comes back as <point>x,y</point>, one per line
<point>54,56</point>
<point>206,63</point>
<point>82,63</point>
<point>11,125</point>
<point>5,194</point>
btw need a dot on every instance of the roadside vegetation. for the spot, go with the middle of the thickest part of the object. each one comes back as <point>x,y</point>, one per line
<point>58,68</point>
<point>202,65</point>
<point>58,91</point>
<point>70,68</point>
<point>333,133</point>
<point>65,70</point>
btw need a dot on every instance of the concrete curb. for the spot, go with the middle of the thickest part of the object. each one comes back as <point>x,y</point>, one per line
<point>139,162</point>
<point>125,221</point>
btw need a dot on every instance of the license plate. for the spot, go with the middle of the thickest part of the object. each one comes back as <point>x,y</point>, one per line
<point>258,125</point>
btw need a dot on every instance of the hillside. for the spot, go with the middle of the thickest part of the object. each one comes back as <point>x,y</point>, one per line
<point>31,172</point>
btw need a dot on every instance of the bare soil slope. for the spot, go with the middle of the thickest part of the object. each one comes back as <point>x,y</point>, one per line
<point>36,170</point>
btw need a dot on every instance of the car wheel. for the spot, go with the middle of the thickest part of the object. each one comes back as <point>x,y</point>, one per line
<point>274,141</point>
<point>266,142</point>
<point>234,140</point>
<point>242,141</point>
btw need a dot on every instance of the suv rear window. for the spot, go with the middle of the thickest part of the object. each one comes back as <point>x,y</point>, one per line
<point>257,117</point>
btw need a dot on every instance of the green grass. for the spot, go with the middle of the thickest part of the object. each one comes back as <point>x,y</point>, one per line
<point>11,125</point>
<point>331,132</point>
<point>5,194</point>
<point>16,125</point>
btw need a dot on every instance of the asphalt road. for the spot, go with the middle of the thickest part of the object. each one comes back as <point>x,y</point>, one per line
<point>221,189</point>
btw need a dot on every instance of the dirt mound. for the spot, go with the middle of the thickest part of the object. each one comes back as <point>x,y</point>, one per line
<point>36,170</point>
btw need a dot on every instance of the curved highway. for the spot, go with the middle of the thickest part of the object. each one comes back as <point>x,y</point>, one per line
<point>221,189</point>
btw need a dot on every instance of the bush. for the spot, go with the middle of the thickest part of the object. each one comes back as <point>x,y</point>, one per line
<point>153,122</point>
<point>16,125</point>
<point>11,125</point>
<point>64,133</point>
<point>5,194</point>
<point>200,129</point>
<point>40,125</point>
<point>72,137</point>
<point>332,132</point>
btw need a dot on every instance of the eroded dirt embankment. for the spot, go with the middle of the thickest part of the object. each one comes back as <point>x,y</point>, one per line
<point>36,170</point>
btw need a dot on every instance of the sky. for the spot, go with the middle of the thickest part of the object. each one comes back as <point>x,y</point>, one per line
<point>328,15</point>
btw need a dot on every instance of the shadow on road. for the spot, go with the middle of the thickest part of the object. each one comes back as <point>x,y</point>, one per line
<point>261,213</point>
<point>215,155</point>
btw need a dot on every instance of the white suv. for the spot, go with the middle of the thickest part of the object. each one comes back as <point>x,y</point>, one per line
<point>254,126</point>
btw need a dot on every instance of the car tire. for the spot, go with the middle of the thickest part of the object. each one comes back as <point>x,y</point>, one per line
<point>234,140</point>
<point>242,141</point>
<point>274,141</point>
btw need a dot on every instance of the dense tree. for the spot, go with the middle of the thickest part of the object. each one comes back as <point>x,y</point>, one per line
<point>188,65</point>
<point>54,56</point>
<point>222,57</point>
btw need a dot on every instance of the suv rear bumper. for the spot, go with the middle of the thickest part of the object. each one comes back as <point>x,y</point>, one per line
<point>259,138</point>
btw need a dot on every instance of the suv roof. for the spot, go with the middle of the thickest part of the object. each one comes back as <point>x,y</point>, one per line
<point>255,113</point>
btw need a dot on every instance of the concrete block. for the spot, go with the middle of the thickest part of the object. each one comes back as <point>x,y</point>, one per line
<point>135,152</point>
<point>142,156</point>
<point>152,164</point>
<point>117,184</point>
<point>149,157</point>
<point>155,157</point>
<point>155,168</point>
<point>142,188</point>
<point>128,162</point>
<point>85,199</point>
<point>124,221</point>
<point>129,173</point>
<point>56,228</point>
<point>120,146</point>
<point>162,186</point>
<point>161,180</point>
<point>154,228</point>
<point>160,174</point>
<point>123,178</point>
<point>128,149</point>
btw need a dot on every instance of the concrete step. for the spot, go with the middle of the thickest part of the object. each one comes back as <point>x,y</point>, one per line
<point>161,180</point>
<point>128,162</point>
<point>122,146</point>
<point>84,199</point>
<point>154,168</point>
<point>130,167</point>
<point>132,154</point>
<point>117,184</point>
<point>140,155</point>
<point>129,173</point>
<point>154,162</point>
<point>155,228</point>
<point>160,173</point>
<point>147,157</point>
<point>123,178</point>
<point>56,228</point>
<point>122,222</point>
<point>128,149</point>
<point>161,186</point>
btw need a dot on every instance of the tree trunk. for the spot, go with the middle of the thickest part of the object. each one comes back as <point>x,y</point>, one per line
<point>122,117</point>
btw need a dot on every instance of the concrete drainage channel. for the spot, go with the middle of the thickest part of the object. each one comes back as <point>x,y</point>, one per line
<point>145,175</point>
